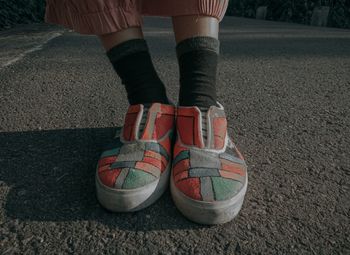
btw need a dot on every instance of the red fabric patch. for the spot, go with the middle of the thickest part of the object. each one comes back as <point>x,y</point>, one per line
<point>167,109</point>
<point>180,176</point>
<point>220,129</point>
<point>190,187</point>
<point>178,148</point>
<point>104,168</point>
<point>188,126</point>
<point>134,108</point>
<point>163,124</point>
<point>106,161</point>
<point>108,177</point>
<point>185,127</point>
<point>129,126</point>
<point>182,165</point>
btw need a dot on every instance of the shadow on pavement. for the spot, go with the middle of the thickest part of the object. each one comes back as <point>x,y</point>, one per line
<point>51,178</point>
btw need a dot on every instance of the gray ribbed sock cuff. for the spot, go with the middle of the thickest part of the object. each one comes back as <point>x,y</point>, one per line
<point>126,48</point>
<point>198,43</point>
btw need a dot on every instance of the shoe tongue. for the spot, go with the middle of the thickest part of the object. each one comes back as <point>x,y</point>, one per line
<point>216,135</point>
<point>136,121</point>
<point>202,127</point>
<point>149,122</point>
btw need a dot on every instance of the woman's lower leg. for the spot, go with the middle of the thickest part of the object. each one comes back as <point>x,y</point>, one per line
<point>197,51</point>
<point>129,54</point>
<point>113,39</point>
<point>191,26</point>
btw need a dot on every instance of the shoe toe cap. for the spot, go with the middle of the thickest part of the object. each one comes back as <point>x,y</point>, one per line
<point>210,189</point>
<point>126,178</point>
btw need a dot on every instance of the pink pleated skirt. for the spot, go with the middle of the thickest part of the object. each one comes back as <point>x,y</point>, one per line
<point>107,16</point>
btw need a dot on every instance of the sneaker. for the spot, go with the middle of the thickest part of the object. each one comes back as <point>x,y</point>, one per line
<point>134,171</point>
<point>209,174</point>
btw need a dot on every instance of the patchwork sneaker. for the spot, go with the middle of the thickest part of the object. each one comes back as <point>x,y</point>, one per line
<point>209,175</point>
<point>134,170</point>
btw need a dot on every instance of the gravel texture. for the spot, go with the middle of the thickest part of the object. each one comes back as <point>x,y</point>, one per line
<point>286,90</point>
<point>19,12</point>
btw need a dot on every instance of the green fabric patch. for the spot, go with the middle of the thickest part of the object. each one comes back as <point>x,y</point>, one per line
<point>225,188</point>
<point>137,179</point>
<point>109,153</point>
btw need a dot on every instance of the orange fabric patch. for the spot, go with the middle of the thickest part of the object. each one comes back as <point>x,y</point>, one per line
<point>155,162</point>
<point>152,154</point>
<point>190,187</point>
<point>233,169</point>
<point>230,175</point>
<point>161,158</point>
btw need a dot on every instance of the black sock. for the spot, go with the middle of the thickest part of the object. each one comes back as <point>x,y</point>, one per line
<point>132,62</point>
<point>198,60</point>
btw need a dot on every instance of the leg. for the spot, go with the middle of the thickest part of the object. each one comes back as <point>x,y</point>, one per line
<point>130,57</point>
<point>191,26</point>
<point>134,172</point>
<point>197,51</point>
<point>134,169</point>
<point>110,40</point>
<point>209,175</point>
<point>137,170</point>
<point>118,25</point>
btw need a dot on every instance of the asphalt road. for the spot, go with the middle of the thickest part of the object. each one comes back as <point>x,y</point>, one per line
<point>286,90</point>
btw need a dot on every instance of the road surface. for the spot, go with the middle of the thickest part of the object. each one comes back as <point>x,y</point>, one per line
<point>286,90</point>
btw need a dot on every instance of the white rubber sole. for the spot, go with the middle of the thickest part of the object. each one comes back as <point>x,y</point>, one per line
<point>131,200</point>
<point>208,213</point>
